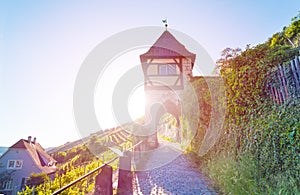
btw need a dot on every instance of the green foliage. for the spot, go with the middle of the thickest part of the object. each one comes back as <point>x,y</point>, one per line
<point>81,153</point>
<point>168,119</point>
<point>63,177</point>
<point>196,114</point>
<point>290,35</point>
<point>36,179</point>
<point>233,177</point>
<point>205,116</point>
<point>245,77</point>
<point>97,145</point>
<point>276,138</point>
<point>259,151</point>
<point>74,163</point>
<point>242,176</point>
<point>166,138</point>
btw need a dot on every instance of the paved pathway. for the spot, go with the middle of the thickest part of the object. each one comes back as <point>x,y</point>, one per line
<point>167,171</point>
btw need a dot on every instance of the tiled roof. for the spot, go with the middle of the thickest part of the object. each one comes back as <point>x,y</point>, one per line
<point>167,46</point>
<point>43,160</point>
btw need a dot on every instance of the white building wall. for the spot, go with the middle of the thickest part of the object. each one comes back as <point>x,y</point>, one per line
<point>28,166</point>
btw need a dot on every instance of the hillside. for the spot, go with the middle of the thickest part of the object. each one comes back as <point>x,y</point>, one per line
<point>258,152</point>
<point>113,136</point>
<point>76,158</point>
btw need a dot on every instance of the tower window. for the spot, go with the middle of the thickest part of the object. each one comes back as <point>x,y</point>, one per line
<point>167,69</point>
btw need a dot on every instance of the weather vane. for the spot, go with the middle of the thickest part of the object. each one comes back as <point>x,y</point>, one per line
<point>165,21</point>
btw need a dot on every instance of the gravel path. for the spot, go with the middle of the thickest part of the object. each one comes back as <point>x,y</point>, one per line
<point>177,176</point>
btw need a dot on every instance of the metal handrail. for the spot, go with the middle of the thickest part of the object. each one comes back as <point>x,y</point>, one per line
<point>91,172</point>
<point>82,177</point>
<point>132,147</point>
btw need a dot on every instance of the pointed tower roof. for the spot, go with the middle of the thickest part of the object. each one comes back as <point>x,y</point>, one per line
<point>167,46</point>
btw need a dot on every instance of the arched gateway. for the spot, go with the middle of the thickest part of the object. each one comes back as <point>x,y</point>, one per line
<point>167,66</point>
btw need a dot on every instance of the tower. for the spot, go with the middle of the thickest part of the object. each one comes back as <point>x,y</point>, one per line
<point>167,66</point>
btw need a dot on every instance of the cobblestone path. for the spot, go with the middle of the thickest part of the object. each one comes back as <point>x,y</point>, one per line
<point>177,176</point>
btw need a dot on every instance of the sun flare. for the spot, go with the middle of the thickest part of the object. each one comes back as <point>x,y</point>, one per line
<point>136,103</point>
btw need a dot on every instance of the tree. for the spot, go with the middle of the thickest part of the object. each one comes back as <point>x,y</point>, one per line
<point>36,179</point>
<point>290,35</point>
<point>227,55</point>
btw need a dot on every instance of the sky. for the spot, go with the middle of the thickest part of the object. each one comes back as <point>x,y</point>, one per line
<point>44,43</point>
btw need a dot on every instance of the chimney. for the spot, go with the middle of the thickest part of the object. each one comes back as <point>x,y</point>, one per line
<point>34,140</point>
<point>29,139</point>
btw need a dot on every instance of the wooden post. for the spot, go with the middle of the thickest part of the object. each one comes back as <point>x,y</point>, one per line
<point>281,87</point>
<point>272,93</point>
<point>278,95</point>
<point>287,72</point>
<point>275,94</point>
<point>125,177</point>
<point>297,63</point>
<point>103,183</point>
<point>296,76</point>
<point>270,90</point>
<point>284,81</point>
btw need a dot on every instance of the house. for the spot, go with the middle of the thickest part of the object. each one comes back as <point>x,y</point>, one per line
<point>19,161</point>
